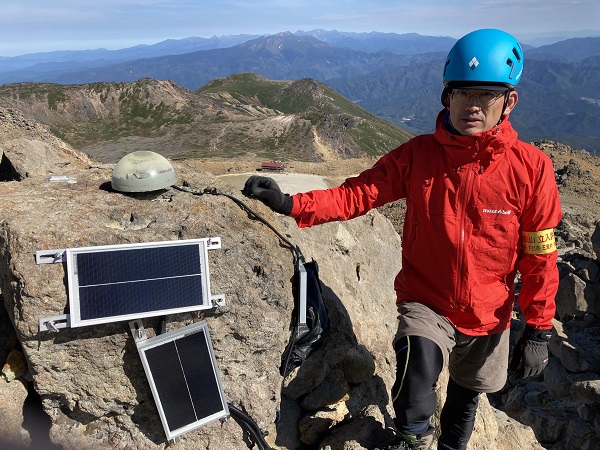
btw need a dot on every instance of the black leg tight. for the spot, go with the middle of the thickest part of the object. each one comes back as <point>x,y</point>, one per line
<point>419,362</point>
<point>458,417</point>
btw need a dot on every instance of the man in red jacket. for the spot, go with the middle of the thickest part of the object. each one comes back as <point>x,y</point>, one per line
<point>481,205</point>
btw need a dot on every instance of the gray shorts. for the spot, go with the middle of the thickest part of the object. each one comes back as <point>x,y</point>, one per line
<point>479,363</point>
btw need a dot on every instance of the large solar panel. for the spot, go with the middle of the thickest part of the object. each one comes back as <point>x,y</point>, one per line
<point>181,369</point>
<point>124,282</point>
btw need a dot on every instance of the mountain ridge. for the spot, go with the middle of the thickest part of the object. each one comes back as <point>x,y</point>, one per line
<point>559,100</point>
<point>243,115</point>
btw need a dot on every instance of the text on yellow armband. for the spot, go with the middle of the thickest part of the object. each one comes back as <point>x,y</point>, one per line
<point>538,242</point>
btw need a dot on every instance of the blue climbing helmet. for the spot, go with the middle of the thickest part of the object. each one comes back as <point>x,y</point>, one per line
<point>486,57</point>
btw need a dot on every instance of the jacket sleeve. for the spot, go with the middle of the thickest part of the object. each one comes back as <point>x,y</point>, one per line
<point>381,184</point>
<point>538,254</point>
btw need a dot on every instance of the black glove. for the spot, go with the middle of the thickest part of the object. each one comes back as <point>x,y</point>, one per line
<point>267,191</point>
<point>531,352</point>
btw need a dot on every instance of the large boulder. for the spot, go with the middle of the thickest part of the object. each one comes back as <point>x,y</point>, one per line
<point>91,379</point>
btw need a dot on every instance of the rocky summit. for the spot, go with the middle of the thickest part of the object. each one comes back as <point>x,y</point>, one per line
<point>85,387</point>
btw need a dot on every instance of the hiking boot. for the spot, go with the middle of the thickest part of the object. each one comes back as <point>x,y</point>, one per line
<point>397,445</point>
<point>410,442</point>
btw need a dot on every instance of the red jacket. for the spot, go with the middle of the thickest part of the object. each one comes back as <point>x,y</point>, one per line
<point>479,208</point>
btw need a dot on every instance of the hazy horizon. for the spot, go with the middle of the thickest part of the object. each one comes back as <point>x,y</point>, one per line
<point>540,40</point>
<point>36,26</point>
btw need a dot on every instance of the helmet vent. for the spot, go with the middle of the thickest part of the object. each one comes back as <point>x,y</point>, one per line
<point>516,53</point>
<point>512,66</point>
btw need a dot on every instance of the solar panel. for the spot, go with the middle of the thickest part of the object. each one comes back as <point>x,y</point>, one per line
<point>182,372</point>
<point>130,281</point>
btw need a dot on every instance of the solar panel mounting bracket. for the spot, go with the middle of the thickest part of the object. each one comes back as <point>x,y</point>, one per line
<point>54,323</point>
<point>217,300</point>
<point>51,256</point>
<point>137,331</point>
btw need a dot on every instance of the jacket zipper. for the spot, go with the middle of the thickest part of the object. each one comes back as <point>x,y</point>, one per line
<point>466,194</point>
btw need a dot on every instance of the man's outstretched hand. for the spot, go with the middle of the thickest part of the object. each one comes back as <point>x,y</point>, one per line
<point>267,191</point>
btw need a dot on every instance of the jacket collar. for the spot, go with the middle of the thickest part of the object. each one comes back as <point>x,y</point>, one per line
<point>485,146</point>
<point>496,139</point>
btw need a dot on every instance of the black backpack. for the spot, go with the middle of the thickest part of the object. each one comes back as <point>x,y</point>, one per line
<point>309,319</point>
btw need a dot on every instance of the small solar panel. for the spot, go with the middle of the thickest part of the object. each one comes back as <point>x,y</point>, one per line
<point>184,378</point>
<point>124,282</point>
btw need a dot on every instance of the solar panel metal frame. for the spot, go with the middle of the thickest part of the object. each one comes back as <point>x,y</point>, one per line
<point>160,396</point>
<point>74,319</point>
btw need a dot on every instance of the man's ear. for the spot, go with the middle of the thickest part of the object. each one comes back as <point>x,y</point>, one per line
<point>445,97</point>
<point>513,98</point>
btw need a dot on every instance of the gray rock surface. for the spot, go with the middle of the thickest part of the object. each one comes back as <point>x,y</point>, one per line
<point>12,431</point>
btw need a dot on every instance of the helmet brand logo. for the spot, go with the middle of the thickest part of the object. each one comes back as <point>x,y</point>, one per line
<point>473,63</point>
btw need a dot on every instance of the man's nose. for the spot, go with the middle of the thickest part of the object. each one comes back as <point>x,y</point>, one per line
<point>473,102</point>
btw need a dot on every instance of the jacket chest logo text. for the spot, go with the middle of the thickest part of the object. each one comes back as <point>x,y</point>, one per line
<point>504,212</point>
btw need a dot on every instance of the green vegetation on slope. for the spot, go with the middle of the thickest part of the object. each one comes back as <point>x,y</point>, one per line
<point>318,103</point>
<point>243,114</point>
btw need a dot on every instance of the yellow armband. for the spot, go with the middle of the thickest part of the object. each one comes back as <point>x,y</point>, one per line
<point>538,242</point>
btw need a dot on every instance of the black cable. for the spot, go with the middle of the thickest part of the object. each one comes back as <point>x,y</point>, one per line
<point>299,256</point>
<point>215,191</point>
<point>250,426</point>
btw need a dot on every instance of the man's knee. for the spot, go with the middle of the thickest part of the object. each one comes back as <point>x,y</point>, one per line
<point>419,362</point>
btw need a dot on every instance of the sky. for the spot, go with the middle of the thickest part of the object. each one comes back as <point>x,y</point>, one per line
<point>31,26</point>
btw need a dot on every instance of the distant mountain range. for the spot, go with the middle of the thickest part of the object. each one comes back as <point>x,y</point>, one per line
<point>395,76</point>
